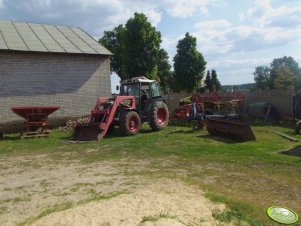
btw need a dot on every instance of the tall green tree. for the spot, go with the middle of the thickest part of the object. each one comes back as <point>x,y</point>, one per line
<point>164,72</point>
<point>207,82</point>
<point>288,63</point>
<point>262,77</point>
<point>285,79</point>
<point>113,41</point>
<point>216,85</point>
<point>189,65</point>
<point>141,44</point>
<point>136,49</point>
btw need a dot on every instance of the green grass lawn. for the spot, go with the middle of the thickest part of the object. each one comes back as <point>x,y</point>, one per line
<point>249,177</point>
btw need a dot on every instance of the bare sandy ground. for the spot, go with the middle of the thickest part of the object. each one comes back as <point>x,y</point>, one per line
<point>33,184</point>
<point>176,203</point>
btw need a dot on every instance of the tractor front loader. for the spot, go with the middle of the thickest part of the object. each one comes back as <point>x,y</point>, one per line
<point>102,117</point>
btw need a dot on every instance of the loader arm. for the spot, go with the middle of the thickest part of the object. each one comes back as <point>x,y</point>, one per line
<point>110,113</point>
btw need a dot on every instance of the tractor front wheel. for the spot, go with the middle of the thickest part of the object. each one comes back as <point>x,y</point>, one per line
<point>130,123</point>
<point>159,116</point>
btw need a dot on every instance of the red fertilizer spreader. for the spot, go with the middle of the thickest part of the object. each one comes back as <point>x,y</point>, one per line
<point>36,124</point>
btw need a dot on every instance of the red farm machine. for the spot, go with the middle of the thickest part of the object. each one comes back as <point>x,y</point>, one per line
<point>218,113</point>
<point>208,104</point>
<point>36,119</point>
<point>139,101</point>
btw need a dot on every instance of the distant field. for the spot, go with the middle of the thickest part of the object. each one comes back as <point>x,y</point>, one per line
<point>248,177</point>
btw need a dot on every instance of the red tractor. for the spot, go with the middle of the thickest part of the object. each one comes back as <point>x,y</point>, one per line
<point>139,101</point>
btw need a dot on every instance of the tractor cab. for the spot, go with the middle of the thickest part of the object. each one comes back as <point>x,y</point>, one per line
<point>143,89</point>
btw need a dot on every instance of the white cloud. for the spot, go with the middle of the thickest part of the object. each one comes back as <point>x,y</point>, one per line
<point>230,62</point>
<point>266,30</point>
<point>99,15</point>
<point>249,38</point>
<point>265,15</point>
<point>183,8</point>
<point>153,16</point>
<point>237,70</point>
<point>1,4</point>
<point>260,9</point>
<point>203,10</point>
<point>209,33</point>
<point>95,16</point>
<point>230,47</point>
<point>241,16</point>
<point>169,44</point>
<point>213,24</point>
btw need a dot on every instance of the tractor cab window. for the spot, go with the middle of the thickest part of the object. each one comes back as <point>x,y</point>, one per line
<point>145,89</point>
<point>145,94</point>
<point>130,90</point>
<point>155,90</point>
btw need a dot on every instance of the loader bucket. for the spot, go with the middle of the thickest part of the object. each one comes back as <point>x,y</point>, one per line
<point>86,132</point>
<point>234,129</point>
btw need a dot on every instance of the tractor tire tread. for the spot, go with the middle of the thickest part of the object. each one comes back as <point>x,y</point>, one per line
<point>153,123</point>
<point>124,122</point>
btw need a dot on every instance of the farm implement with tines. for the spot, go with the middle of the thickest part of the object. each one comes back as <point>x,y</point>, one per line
<point>227,125</point>
<point>217,113</point>
<point>139,101</point>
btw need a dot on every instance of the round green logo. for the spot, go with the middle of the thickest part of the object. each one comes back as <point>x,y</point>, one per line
<point>282,215</point>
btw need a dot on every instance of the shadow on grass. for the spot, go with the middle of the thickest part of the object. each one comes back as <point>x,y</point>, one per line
<point>295,151</point>
<point>144,131</point>
<point>69,138</point>
<point>181,131</point>
<point>225,140</point>
<point>5,138</point>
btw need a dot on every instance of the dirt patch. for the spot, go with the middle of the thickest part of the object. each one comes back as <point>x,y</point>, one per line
<point>33,186</point>
<point>164,202</point>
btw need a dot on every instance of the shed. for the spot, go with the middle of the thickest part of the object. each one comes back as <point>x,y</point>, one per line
<point>44,64</point>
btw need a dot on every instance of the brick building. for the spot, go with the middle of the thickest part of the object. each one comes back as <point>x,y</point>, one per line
<point>50,65</point>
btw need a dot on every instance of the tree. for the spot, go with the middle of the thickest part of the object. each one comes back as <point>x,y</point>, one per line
<point>141,44</point>
<point>285,79</point>
<point>136,49</point>
<point>207,82</point>
<point>164,72</point>
<point>262,77</point>
<point>290,64</point>
<point>216,85</point>
<point>265,77</point>
<point>112,40</point>
<point>189,65</point>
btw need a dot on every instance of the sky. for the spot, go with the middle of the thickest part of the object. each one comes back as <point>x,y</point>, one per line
<point>234,36</point>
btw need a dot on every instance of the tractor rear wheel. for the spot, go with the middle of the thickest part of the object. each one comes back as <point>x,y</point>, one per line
<point>129,123</point>
<point>159,116</point>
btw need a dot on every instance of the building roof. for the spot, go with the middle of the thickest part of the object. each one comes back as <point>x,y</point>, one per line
<point>32,37</point>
